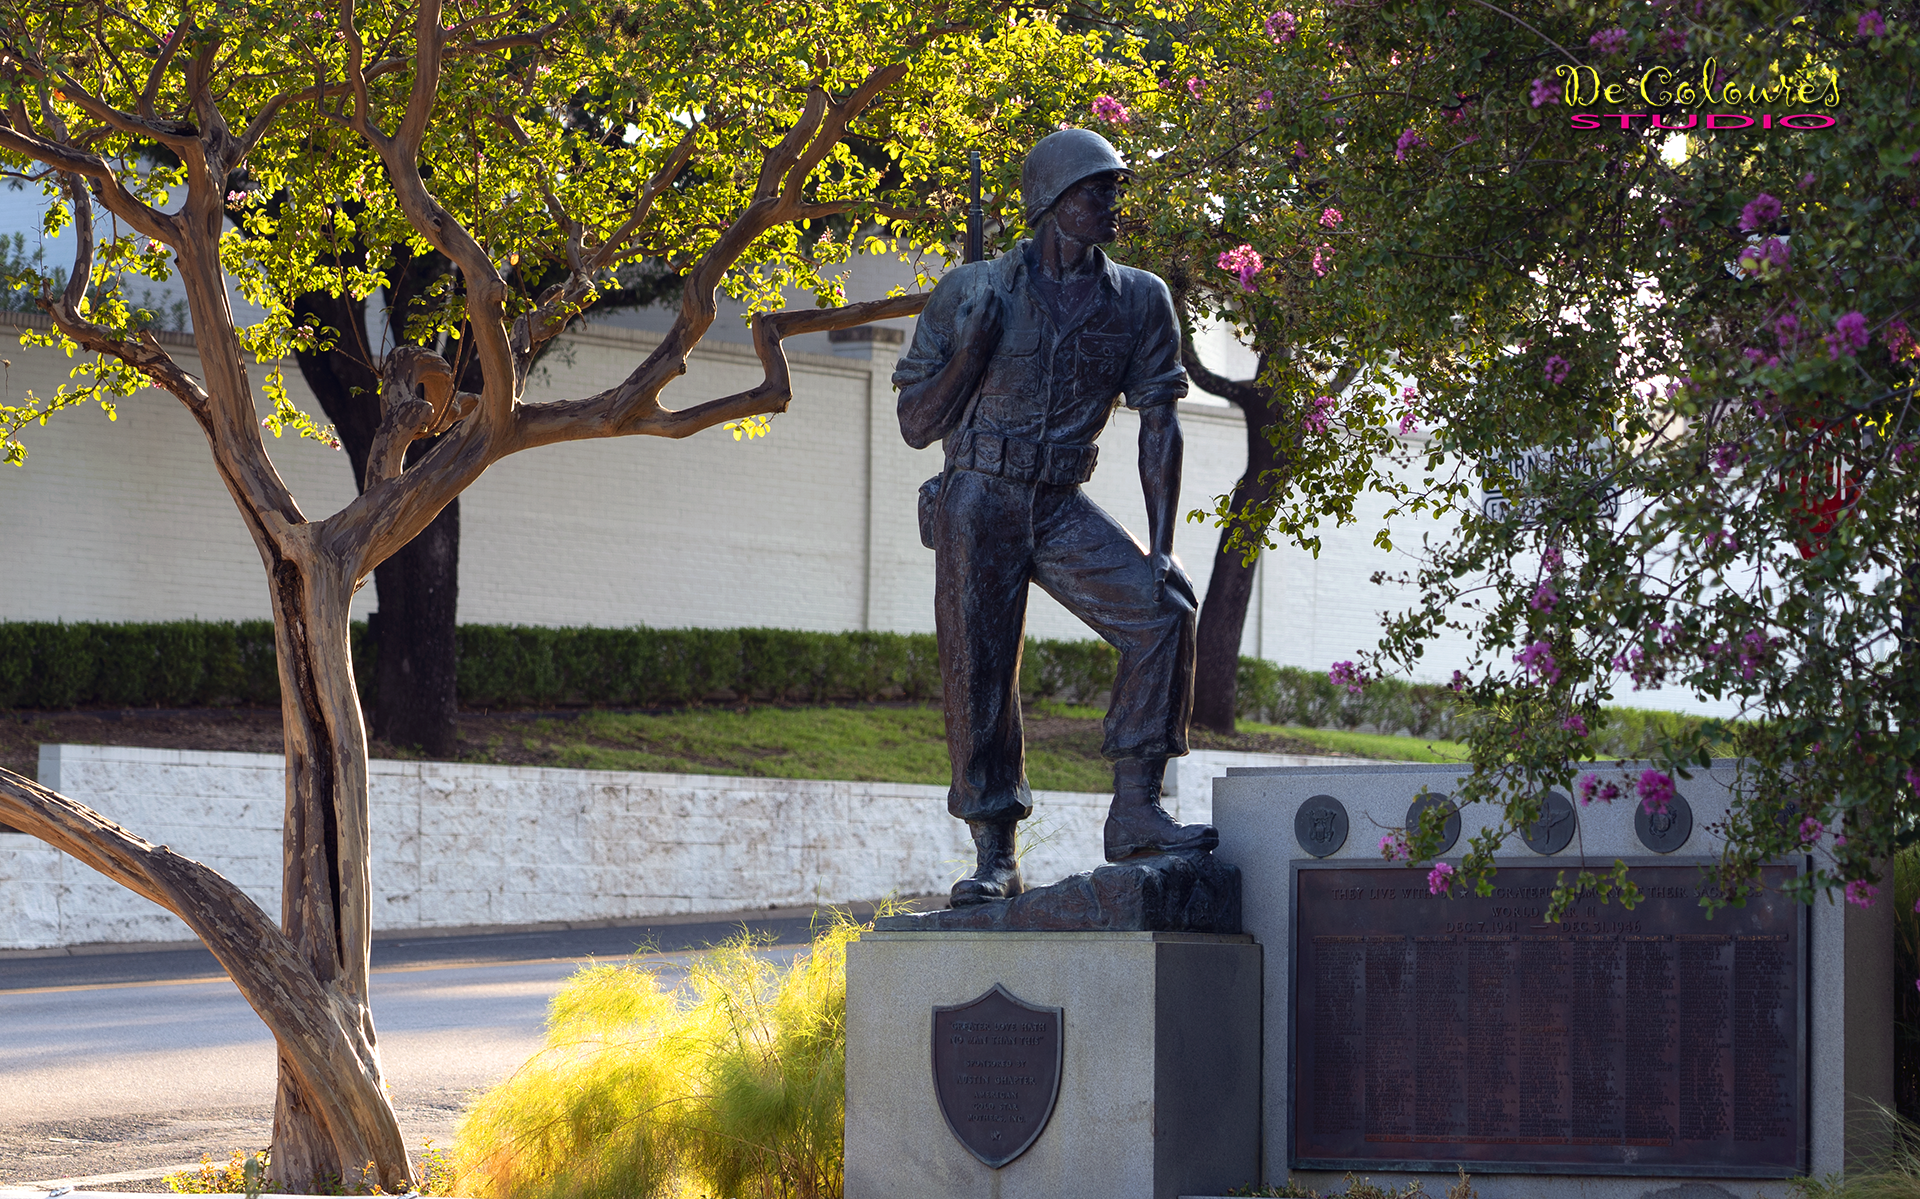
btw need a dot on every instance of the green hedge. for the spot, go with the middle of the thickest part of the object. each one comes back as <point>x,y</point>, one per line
<point>183,664</point>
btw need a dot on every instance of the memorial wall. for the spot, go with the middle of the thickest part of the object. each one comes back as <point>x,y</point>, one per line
<point>1617,1054</point>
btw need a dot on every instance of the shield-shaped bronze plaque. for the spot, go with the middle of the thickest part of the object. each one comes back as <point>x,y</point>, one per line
<point>996,1069</point>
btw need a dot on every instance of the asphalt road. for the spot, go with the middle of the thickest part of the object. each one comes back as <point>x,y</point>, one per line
<point>133,1062</point>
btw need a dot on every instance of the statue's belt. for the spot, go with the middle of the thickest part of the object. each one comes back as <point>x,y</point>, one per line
<point>1023,461</point>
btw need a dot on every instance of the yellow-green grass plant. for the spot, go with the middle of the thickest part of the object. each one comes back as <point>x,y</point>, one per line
<point>732,1085</point>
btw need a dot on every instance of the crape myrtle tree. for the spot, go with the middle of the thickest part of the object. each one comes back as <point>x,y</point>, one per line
<point>1705,329</point>
<point>1232,204</point>
<point>437,128</point>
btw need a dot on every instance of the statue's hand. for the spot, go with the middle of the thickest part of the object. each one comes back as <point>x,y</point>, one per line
<point>1167,573</point>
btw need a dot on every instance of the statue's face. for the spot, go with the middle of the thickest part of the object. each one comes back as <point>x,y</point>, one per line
<point>1090,211</point>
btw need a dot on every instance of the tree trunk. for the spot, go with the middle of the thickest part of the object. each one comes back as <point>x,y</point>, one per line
<point>415,640</point>
<point>307,979</point>
<point>327,888</point>
<point>414,631</point>
<point>1223,615</point>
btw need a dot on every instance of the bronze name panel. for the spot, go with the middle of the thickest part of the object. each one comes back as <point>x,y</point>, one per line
<point>1429,1031</point>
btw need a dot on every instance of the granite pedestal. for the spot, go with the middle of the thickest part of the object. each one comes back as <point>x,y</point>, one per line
<point>1159,1058</point>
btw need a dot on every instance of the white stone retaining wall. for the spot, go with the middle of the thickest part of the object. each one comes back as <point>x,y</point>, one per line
<point>457,845</point>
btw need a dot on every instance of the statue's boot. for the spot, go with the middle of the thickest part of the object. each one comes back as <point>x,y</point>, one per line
<point>1137,825</point>
<point>998,874</point>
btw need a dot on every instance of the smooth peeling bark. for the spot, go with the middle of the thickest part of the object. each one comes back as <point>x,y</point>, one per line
<point>321,1054</point>
<point>327,886</point>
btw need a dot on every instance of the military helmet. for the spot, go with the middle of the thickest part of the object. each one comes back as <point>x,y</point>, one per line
<point>1060,160</point>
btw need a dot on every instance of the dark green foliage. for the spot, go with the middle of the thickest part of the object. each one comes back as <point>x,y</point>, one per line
<point>170,664</point>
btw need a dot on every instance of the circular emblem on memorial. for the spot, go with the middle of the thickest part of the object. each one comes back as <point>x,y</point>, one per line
<point>996,1071</point>
<point>1321,825</point>
<point>1664,829</point>
<point>1554,830</point>
<point>1449,832</point>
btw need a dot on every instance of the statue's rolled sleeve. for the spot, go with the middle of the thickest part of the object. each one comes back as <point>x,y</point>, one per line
<point>1154,375</point>
<point>933,340</point>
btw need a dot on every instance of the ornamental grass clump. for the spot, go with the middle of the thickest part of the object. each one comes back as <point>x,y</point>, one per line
<point>731,1085</point>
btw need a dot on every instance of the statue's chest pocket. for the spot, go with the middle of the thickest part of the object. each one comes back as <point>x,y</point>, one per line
<point>1103,360</point>
<point>1015,366</point>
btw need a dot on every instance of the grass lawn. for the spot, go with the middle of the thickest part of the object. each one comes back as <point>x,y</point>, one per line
<point>1368,745</point>
<point>902,743</point>
<point>882,742</point>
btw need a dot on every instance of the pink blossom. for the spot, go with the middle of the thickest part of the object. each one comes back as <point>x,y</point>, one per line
<point>1194,86</point>
<point>1771,252</point>
<point>1760,212</point>
<point>1849,335</point>
<point>1458,682</point>
<point>1544,93</point>
<point>1544,597</point>
<point>1871,25</point>
<point>1811,830</point>
<point>1726,456</point>
<point>1609,41</point>
<point>1346,674</point>
<point>1111,110</point>
<point>1264,101</point>
<point>1281,26</point>
<point>1244,261</point>
<point>1862,893</point>
<point>1537,658</point>
<point>1408,141</point>
<point>236,197</point>
<point>1552,559</point>
<point>1574,725</point>
<point>1806,181</point>
<point>1299,149</point>
<point>1394,848</point>
<point>1899,339</point>
<point>1556,369</point>
<point>1322,260</point>
<point>1913,779</point>
<point>1409,422</point>
<point>1787,329</point>
<point>1671,41</point>
<point>1331,217</point>
<point>1591,788</point>
<point>1656,790</point>
<point>1439,879</point>
<point>1320,419</point>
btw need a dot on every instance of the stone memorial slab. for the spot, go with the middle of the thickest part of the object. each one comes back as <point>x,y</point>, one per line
<point>1706,1008</point>
<point>996,1071</point>
<point>1470,1030</point>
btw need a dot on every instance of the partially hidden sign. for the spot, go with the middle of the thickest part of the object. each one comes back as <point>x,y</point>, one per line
<point>996,1070</point>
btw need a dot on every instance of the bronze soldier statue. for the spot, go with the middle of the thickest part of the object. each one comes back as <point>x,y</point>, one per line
<point>1017,364</point>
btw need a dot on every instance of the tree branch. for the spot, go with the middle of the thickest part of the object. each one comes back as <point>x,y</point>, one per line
<point>634,408</point>
<point>118,200</point>
<point>334,1060</point>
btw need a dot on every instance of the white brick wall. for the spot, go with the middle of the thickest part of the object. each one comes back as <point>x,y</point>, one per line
<point>812,527</point>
